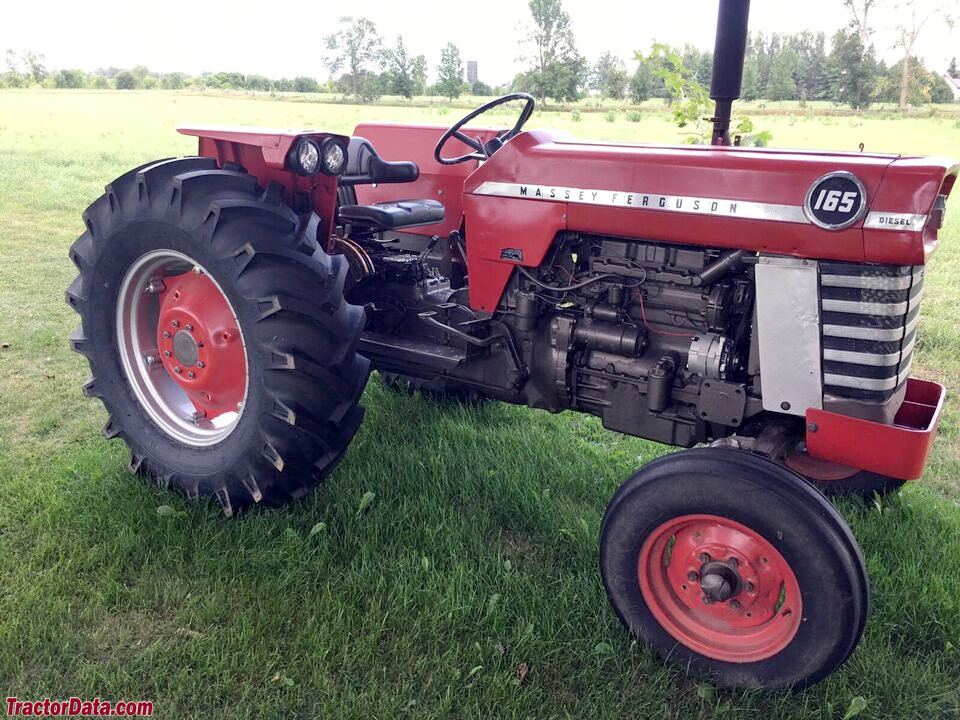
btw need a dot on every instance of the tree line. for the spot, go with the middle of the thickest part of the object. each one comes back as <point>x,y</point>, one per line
<point>804,66</point>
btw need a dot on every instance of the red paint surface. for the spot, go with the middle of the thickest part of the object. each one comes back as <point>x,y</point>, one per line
<point>751,630</point>
<point>901,185</point>
<point>195,300</point>
<point>765,176</point>
<point>898,451</point>
<point>444,183</point>
<point>262,153</point>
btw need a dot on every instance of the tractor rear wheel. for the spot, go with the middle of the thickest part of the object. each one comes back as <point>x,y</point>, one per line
<point>217,334</point>
<point>731,565</point>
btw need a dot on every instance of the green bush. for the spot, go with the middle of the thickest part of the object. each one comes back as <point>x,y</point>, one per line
<point>126,81</point>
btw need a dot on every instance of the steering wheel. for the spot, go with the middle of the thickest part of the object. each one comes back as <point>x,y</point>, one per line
<point>482,151</point>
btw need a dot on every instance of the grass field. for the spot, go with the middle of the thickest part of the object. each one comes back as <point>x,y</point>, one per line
<point>478,553</point>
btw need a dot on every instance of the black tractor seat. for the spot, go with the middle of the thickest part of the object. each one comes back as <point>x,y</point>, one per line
<point>392,215</point>
<point>365,167</point>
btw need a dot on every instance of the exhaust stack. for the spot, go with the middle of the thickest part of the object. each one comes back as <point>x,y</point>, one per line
<point>728,54</point>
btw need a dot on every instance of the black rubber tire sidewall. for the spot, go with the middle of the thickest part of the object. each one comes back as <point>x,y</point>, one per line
<point>130,243</point>
<point>780,506</point>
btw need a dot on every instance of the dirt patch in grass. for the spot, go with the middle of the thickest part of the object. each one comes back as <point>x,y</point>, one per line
<point>128,634</point>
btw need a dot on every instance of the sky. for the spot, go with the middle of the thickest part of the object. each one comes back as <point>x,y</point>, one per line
<point>253,36</point>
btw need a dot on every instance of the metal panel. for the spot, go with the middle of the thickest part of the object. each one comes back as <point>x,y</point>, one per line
<point>788,318</point>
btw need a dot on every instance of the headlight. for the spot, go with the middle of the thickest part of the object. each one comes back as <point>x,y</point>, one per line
<point>306,157</point>
<point>334,157</point>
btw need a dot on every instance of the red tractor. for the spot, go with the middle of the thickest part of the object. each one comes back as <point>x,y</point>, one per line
<point>760,303</point>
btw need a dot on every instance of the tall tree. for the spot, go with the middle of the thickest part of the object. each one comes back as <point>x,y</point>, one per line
<point>952,70</point>
<point>643,80</point>
<point>853,70</point>
<point>912,16</point>
<point>400,69</point>
<point>450,72</point>
<point>558,70</point>
<point>36,65</point>
<point>357,46</point>
<point>418,73</point>
<point>860,18</point>
<point>782,86</point>
<point>811,70</point>
<point>609,76</point>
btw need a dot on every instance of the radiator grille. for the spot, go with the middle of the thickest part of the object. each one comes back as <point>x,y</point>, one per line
<point>869,316</point>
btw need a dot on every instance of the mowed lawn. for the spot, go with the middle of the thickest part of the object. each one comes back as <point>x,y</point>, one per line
<point>469,587</point>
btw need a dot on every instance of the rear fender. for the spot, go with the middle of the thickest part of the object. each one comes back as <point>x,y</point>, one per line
<point>263,153</point>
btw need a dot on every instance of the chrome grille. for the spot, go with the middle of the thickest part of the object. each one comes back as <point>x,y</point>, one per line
<point>869,316</point>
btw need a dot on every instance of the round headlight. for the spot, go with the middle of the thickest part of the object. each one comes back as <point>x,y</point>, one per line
<point>307,157</point>
<point>334,157</point>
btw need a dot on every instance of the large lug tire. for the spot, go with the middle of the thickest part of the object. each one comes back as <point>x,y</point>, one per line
<point>188,270</point>
<point>734,567</point>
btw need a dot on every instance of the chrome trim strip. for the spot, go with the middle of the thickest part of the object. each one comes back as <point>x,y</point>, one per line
<point>866,358</point>
<point>899,222</point>
<point>866,282</point>
<point>860,383</point>
<point>723,207</point>
<point>881,334</point>
<point>864,308</point>
<point>648,201</point>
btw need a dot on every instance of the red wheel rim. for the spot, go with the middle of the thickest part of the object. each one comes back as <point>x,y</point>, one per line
<point>181,347</point>
<point>195,315</point>
<point>759,618</point>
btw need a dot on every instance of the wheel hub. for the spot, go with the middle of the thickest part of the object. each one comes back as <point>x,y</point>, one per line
<point>719,581</point>
<point>200,345</point>
<point>185,348</point>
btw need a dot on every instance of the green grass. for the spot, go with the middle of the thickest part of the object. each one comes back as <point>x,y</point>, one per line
<point>478,552</point>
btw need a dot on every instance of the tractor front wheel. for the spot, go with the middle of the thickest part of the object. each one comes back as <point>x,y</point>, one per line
<point>733,566</point>
<point>217,334</point>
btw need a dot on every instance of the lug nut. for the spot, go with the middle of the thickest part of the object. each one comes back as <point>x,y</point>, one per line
<point>177,370</point>
<point>734,605</point>
<point>691,575</point>
<point>201,364</point>
<point>197,270</point>
<point>704,558</point>
<point>189,327</point>
<point>149,360</point>
<point>166,333</point>
<point>167,353</point>
<point>748,587</point>
<point>191,375</point>
<point>176,323</point>
<point>706,600</point>
<point>733,562</point>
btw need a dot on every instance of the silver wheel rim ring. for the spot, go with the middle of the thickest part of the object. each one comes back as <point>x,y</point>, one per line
<point>159,395</point>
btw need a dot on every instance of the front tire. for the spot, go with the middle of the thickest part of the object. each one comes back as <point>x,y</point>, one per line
<point>188,270</point>
<point>735,567</point>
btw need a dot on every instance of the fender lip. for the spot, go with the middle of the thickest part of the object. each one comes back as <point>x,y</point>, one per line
<point>897,451</point>
<point>275,143</point>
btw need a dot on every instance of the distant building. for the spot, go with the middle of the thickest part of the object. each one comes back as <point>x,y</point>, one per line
<point>471,71</point>
<point>954,84</point>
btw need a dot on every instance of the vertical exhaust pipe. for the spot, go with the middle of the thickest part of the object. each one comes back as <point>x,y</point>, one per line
<point>728,55</point>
